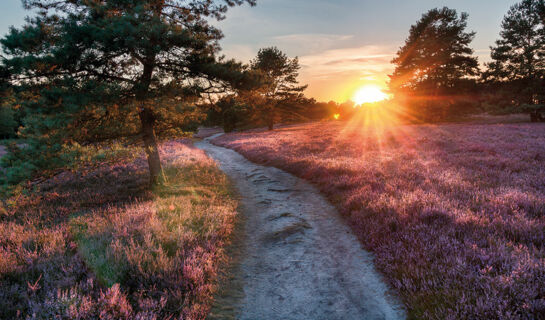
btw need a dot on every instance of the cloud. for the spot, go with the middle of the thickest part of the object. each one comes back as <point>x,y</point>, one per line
<point>337,73</point>
<point>330,66</point>
<point>310,43</point>
<point>300,44</point>
<point>239,52</point>
<point>366,60</point>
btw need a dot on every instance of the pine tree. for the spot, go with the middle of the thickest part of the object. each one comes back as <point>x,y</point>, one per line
<point>281,86</point>
<point>519,55</point>
<point>436,60</point>
<point>99,70</point>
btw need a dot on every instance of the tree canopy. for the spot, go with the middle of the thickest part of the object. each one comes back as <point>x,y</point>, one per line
<point>436,55</point>
<point>519,55</point>
<point>96,70</point>
<point>281,86</point>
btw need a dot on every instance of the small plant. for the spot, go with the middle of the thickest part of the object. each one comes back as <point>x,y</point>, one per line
<point>455,214</point>
<point>95,242</point>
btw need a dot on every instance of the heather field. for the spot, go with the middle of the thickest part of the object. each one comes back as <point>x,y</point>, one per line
<point>97,243</point>
<point>454,213</point>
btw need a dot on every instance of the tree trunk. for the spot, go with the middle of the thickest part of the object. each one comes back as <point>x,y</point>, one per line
<point>150,144</point>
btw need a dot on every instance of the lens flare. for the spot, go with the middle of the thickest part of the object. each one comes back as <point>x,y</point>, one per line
<point>369,94</point>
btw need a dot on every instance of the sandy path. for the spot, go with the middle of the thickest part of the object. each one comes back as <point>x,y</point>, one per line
<point>300,259</point>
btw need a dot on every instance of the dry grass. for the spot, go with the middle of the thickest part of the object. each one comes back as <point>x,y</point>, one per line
<point>97,244</point>
<point>455,214</point>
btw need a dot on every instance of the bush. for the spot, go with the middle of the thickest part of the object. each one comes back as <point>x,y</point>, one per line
<point>441,110</point>
<point>8,125</point>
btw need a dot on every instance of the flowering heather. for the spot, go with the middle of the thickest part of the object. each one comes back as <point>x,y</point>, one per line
<point>97,243</point>
<point>455,214</point>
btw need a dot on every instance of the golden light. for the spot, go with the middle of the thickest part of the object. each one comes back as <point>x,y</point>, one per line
<point>336,116</point>
<point>369,94</point>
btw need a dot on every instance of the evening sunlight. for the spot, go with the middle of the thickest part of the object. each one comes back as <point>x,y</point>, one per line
<point>272,159</point>
<point>369,94</point>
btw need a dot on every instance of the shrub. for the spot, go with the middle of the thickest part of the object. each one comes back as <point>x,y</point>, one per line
<point>8,125</point>
<point>455,214</point>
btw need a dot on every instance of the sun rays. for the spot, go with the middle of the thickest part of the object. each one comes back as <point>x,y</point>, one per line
<point>369,94</point>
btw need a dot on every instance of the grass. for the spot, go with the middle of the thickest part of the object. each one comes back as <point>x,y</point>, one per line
<point>454,213</point>
<point>95,243</point>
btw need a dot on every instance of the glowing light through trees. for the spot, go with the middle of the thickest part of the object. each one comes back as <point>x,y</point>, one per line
<point>369,94</point>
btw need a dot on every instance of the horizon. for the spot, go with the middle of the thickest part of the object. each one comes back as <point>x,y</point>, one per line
<point>146,173</point>
<point>337,59</point>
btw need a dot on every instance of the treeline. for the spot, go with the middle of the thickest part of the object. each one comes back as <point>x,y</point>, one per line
<point>273,96</point>
<point>82,72</point>
<point>437,77</point>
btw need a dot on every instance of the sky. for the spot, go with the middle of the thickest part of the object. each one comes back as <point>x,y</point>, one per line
<point>342,45</point>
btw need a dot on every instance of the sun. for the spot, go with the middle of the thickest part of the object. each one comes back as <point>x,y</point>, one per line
<point>369,94</point>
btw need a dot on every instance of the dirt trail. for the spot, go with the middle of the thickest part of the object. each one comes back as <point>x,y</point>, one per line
<point>300,260</point>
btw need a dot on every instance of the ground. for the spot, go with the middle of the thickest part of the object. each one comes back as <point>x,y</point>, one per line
<point>454,213</point>
<point>297,259</point>
<point>97,243</point>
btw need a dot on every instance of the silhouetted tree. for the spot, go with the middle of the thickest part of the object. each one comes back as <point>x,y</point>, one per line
<point>436,60</point>
<point>280,80</point>
<point>232,111</point>
<point>104,69</point>
<point>519,55</point>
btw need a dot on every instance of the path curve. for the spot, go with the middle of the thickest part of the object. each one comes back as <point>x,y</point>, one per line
<point>301,260</point>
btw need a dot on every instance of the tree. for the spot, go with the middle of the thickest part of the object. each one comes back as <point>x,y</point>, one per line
<point>519,55</point>
<point>100,70</point>
<point>280,77</point>
<point>8,124</point>
<point>436,60</point>
<point>231,111</point>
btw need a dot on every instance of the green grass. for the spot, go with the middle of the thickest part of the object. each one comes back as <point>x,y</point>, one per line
<point>96,242</point>
<point>93,248</point>
<point>148,243</point>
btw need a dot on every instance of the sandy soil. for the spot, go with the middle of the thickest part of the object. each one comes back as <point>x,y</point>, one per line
<point>300,260</point>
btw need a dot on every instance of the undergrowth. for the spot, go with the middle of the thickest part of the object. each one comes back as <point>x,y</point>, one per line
<point>97,243</point>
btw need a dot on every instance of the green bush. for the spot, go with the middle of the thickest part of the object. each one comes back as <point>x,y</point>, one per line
<point>8,125</point>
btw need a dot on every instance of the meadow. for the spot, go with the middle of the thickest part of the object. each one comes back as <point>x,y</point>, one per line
<point>454,213</point>
<point>96,242</point>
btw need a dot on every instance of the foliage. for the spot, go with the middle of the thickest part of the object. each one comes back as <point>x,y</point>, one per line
<point>454,214</point>
<point>99,70</point>
<point>435,65</point>
<point>71,157</point>
<point>518,57</point>
<point>8,125</point>
<point>280,83</point>
<point>98,244</point>
<point>8,122</point>
<point>321,110</point>
<point>230,112</point>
